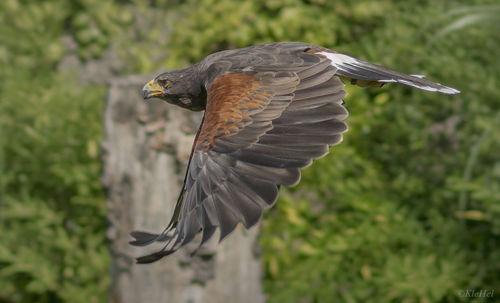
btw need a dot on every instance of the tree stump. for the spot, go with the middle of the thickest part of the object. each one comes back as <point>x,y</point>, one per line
<point>146,149</point>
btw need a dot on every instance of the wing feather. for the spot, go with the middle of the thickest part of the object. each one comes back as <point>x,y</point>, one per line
<point>259,129</point>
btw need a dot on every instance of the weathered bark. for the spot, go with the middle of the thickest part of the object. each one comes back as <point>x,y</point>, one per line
<point>142,184</point>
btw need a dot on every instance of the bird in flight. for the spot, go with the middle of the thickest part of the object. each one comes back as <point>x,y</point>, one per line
<point>270,110</point>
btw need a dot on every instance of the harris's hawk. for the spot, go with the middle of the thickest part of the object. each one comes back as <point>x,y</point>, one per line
<point>270,110</point>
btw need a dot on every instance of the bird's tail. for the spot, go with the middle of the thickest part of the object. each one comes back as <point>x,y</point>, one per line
<point>368,74</point>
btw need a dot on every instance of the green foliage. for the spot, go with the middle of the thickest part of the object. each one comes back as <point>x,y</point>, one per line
<point>230,24</point>
<point>39,23</point>
<point>405,210</point>
<point>52,215</point>
<point>94,23</point>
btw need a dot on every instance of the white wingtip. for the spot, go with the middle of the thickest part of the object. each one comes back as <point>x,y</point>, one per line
<point>449,90</point>
<point>438,87</point>
<point>418,76</point>
<point>358,69</point>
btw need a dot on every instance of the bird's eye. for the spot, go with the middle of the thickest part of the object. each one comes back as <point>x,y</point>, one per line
<point>163,82</point>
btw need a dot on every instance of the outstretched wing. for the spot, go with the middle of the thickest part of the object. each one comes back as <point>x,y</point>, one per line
<point>260,127</point>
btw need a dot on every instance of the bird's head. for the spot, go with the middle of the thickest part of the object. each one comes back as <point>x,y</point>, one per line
<point>176,87</point>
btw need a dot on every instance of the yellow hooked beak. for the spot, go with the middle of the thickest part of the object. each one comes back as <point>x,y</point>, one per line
<point>152,89</point>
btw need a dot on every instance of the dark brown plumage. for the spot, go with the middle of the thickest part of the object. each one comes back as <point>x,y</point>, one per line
<point>270,110</point>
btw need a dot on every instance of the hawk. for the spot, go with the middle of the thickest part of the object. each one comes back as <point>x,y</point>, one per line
<point>270,110</point>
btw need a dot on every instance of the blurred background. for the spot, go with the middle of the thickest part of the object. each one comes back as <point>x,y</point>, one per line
<point>405,210</point>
